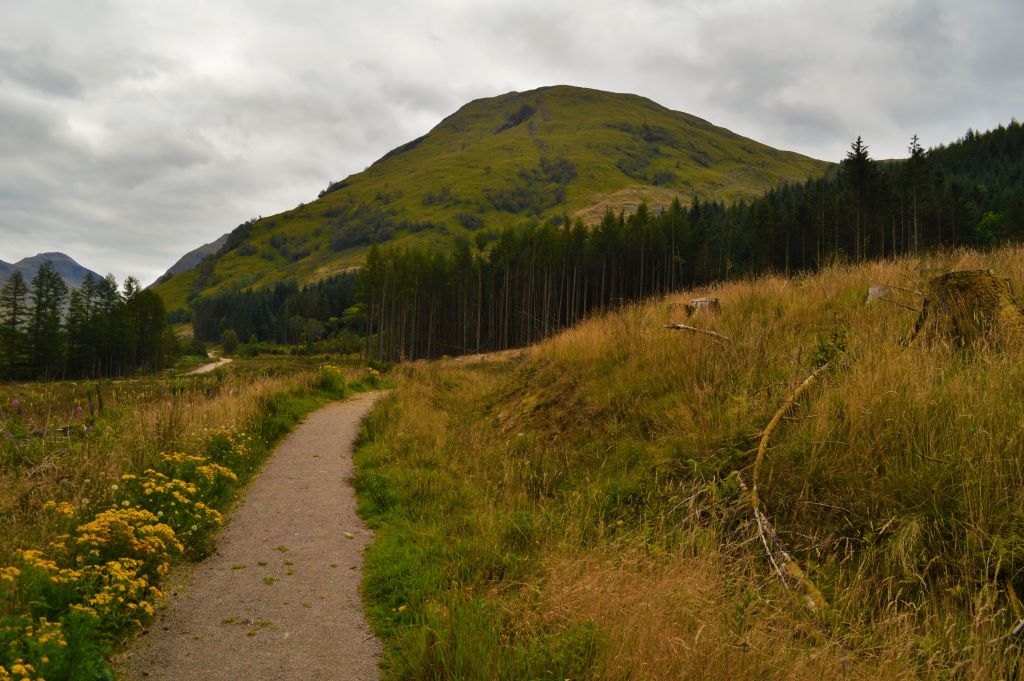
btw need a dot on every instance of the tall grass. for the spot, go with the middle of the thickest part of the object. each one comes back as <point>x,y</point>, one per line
<point>50,449</point>
<point>594,485</point>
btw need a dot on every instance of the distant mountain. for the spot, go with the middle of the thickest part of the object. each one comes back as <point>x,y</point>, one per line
<point>522,157</point>
<point>193,258</point>
<point>69,270</point>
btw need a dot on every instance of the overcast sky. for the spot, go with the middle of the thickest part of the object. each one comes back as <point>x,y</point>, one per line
<point>132,131</point>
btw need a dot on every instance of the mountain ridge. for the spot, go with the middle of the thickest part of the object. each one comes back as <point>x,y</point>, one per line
<point>70,270</point>
<point>521,157</point>
<point>192,258</point>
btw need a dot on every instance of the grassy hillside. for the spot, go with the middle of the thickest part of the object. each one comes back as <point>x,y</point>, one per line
<point>576,510</point>
<point>501,161</point>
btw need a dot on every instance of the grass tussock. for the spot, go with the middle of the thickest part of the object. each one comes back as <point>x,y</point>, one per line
<point>587,495</point>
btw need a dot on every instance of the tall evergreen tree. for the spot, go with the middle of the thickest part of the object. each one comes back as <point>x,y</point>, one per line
<point>14,316</point>
<point>77,326</point>
<point>858,172</point>
<point>914,174</point>
<point>49,295</point>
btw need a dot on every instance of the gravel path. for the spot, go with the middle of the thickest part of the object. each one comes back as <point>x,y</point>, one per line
<point>207,368</point>
<point>279,597</point>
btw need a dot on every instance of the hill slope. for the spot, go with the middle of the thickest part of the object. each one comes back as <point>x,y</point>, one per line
<point>519,157</point>
<point>69,270</point>
<point>578,509</point>
<point>193,258</point>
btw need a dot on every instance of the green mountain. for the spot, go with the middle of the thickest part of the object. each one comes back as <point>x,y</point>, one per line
<point>501,161</point>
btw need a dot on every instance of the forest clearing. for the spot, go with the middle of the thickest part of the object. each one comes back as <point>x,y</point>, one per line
<point>582,509</point>
<point>660,341</point>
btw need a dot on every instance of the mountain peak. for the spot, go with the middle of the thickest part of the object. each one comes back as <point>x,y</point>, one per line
<point>517,158</point>
<point>70,271</point>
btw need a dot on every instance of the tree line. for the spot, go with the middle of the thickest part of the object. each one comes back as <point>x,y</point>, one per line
<point>538,278</point>
<point>516,286</point>
<point>282,313</point>
<point>51,331</point>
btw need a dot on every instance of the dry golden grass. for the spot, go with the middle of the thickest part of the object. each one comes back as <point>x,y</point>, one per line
<point>685,617</point>
<point>617,445</point>
<point>142,419</point>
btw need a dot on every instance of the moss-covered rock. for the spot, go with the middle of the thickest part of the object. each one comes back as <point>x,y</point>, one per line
<point>963,308</point>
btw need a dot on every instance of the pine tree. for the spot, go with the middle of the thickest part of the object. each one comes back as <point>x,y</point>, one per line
<point>914,174</point>
<point>14,316</point>
<point>107,325</point>
<point>77,325</point>
<point>49,295</point>
<point>857,171</point>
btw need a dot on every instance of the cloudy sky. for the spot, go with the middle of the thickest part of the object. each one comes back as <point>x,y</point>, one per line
<point>132,131</point>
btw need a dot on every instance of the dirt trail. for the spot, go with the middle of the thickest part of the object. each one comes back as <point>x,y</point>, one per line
<point>207,368</point>
<point>279,598</point>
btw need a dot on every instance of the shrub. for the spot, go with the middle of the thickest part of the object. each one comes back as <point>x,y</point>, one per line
<point>127,532</point>
<point>176,503</point>
<point>229,339</point>
<point>470,221</point>
<point>331,379</point>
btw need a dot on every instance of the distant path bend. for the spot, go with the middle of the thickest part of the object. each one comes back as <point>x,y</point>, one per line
<point>207,368</point>
<point>279,598</point>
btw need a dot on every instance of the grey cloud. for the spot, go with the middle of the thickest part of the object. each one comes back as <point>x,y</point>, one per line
<point>922,34</point>
<point>22,124</point>
<point>131,132</point>
<point>31,71</point>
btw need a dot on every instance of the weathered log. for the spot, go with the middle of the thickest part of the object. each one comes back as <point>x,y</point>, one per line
<point>966,307</point>
<point>785,566</point>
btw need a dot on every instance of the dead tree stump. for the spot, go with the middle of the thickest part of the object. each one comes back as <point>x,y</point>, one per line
<point>708,305</point>
<point>878,292</point>
<point>967,307</point>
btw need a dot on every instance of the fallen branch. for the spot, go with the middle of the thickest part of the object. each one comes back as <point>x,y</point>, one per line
<point>694,329</point>
<point>780,558</point>
<point>906,307</point>
<point>906,290</point>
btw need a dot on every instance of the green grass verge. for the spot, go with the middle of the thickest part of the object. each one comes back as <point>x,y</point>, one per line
<point>440,544</point>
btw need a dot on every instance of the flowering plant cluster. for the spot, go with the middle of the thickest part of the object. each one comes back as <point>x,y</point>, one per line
<point>331,379</point>
<point>373,377</point>
<point>230,449</point>
<point>176,503</point>
<point>62,606</point>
